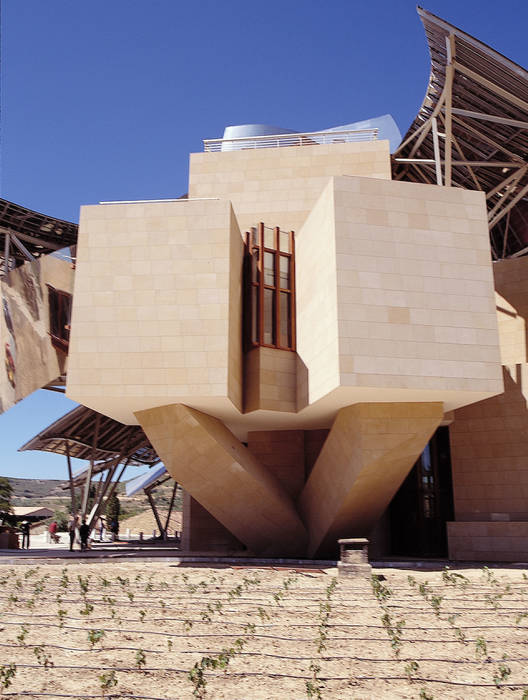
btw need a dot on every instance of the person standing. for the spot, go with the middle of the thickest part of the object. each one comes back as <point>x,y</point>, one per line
<point>100,527</point>
<point>114,529</point>
<point>72,525</point>
<point>84,531</point>
<point>25,534</point>
<point>53,531</point>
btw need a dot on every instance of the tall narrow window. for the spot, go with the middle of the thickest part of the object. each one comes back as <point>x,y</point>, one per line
<point>59,314</point>
<point>269,317</point>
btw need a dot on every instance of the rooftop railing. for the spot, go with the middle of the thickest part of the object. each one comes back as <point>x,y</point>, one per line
<point>313,138</point>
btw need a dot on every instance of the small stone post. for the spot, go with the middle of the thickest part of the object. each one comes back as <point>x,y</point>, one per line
<point>354,557</point>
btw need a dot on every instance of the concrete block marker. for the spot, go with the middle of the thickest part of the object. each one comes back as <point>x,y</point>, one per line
<point>353,554</point>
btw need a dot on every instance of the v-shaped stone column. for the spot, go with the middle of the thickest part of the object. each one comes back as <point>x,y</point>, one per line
<point>367,455</point>
<point>204,456</point>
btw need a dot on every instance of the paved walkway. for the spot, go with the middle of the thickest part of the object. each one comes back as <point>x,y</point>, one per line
<point>156,550</point>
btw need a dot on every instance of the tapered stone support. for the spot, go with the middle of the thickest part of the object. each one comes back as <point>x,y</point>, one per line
<point>367,455</point>
<point>211,464</point>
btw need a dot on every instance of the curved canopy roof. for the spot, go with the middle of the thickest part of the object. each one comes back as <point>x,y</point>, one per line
<point>86,434</point>
<point>39,234</point>
<point>472,130</point>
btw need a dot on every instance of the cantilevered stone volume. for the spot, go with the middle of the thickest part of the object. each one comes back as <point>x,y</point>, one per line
<point>283,295</point>
<point>326,339</point>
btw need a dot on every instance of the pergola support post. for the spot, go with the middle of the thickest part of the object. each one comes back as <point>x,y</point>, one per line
<point>112,485</point>
<point>90,469</point>
<point>450,72</point>
<point>7,247</point>
<point>436,146</point>
<point>171,505</point>
<point>70,476</point>
<point>97,507</point>
<point>155,511</point>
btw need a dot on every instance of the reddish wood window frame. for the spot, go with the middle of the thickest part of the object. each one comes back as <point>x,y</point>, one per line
<point>255,286</point>
<point>59,303</point>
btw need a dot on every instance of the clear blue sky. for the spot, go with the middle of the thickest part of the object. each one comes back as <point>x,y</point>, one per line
<point>104,99</point>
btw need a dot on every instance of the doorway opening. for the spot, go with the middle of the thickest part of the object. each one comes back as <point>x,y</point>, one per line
<point>423,505</point>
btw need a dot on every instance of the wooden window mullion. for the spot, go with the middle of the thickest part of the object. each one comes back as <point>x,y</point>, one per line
<point>293,320</point>
<point>261,284</point>
<point>265,285</point>
<point>276,266</point>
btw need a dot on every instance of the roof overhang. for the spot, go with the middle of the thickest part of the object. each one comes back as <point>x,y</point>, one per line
<point>86,434</point>
<point>30,234</point>
<point>472,131</point>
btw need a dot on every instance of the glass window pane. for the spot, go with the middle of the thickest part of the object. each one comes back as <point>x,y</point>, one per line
<point>284,238</point>
<point>269,304</point>
<point>254,236</point>
<point>254,315</point>
<point>426,459</point>
<point>269,268</point>
<point>285,321</point>
<point>65,313</point>
<point>284,272</point>
<point>269,238</point>
<point>254,265</point>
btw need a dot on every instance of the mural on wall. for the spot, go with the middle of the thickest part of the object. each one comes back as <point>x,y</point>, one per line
<point>30,357</point>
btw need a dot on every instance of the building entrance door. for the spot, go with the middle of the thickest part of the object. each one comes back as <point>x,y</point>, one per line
<point>424,503</point>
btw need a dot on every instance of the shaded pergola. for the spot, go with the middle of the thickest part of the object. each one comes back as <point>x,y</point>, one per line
<point>148,483</point>
<point>109,446</point>
<point>472,131</point>
<point>26,235</point>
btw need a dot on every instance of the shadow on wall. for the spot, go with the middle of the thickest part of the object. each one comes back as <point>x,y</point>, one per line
<point>511,286</point>
<point>489,444</point>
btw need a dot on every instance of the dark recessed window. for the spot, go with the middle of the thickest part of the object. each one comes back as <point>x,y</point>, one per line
<point>269,273</point>
<point>60,314</point>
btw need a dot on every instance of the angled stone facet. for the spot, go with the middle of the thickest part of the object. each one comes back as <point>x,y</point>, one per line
<point>206,458</point>
<point>365,458</point>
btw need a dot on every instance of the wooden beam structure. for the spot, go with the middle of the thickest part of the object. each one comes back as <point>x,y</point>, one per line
<point>88,482</point>
<point>26,234</point>
<point>482,100</point>
<point>70,479</point>
<point>155,511</point>
<point>171,505</point>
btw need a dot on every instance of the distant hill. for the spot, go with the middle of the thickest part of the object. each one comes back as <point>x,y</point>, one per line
<point>50,493</point>
<point>44,488</point>
<point>37,488</point>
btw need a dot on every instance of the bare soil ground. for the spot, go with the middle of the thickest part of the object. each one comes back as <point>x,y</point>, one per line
<point>146,522</point>
<point>262,633</point>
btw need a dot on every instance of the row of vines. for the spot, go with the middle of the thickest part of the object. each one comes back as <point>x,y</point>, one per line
<point>159,631</point>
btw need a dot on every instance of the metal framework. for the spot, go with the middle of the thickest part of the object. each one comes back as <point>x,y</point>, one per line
<point>26,235</point>
<point>109,446</point>
<point>472,131</point>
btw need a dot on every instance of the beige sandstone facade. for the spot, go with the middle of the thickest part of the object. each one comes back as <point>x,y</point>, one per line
<point>395,325</point>
<point>30,359</point>
<point>490,442</point>
<point>361,465</point>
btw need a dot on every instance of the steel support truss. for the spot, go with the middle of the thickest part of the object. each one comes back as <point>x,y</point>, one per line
<point>451,151</point>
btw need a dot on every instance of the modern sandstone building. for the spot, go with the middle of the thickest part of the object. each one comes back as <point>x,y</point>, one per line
<point>324,340</point>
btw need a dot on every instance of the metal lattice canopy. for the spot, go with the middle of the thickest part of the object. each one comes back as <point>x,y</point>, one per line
<point>109,445</point>
<point>86,434</point>
<point>472,131</point>
<point>26,234</point>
